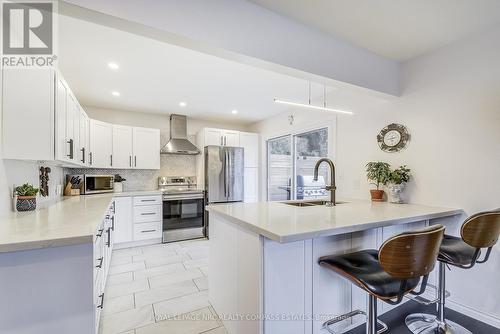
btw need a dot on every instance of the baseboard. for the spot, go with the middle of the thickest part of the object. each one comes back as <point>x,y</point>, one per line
<point>473,313</point>
<point>137,243</point>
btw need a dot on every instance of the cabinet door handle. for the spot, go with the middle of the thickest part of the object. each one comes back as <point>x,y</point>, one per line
<point>148,200</point>
<point>135,161</point>
<point>111,159</point>
<point>225,141</point>
<point>148,231</point>
<point>113,223</point>
<point>100,233</point>
<point>221,140</point>
<point>130,160</point>
<point>148,213</point>
<point>108,243</point>
<point>83,154</point>
<point>91,158</point>
<point>70,155</point>
<point>102,301</point>
<point>101,259</point>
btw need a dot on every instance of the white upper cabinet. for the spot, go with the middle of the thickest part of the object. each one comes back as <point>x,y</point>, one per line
<point>146,148</point>
<point>122,146</point>
<point>250,143</point>
<point>213,137</point>
<point>40,103</point>
<point>220,137</point>
<point>83,153</point>
<point>101,144</point>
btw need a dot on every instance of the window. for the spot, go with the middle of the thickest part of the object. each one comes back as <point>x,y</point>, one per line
<point>288,165</point>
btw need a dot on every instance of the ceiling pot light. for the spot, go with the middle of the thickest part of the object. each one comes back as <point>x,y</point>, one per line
<point>115,93</point>
<point>234,111</point>
<point>182,104</point>
<point>113,66</point>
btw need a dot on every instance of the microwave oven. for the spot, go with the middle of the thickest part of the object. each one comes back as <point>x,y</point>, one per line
<point>96,184</point>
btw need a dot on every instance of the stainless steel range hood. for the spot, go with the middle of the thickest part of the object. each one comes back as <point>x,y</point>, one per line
<point>179,143</point>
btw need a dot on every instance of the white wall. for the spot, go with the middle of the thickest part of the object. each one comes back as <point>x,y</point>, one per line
<point>451,105</point>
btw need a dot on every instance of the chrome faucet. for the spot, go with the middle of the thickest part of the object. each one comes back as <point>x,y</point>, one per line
<point>332,187</point>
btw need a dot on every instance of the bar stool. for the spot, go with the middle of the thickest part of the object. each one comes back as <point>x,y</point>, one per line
<point>390,273</point>
<point>479,231</point>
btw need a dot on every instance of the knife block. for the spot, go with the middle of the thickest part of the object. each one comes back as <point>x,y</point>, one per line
<point>69,191</point>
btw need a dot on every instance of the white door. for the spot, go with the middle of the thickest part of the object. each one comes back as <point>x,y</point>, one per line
<point>122,146</point>
<point>231,138</point>
<point>250,143</point>
<point>123,219</point>
<point>251,185</point>
<point>213,137</point>
<point>84,138</point>
<point>146,148</point>
<point>62,147</point>
<point>101,144</point>
<point>71,121</point>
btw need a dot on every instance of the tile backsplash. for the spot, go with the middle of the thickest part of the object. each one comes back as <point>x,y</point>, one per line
<point>143,179</point>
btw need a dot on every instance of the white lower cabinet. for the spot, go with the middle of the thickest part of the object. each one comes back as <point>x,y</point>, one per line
<point>138,218</point>
<point>103,248</point>
<point>123,220</point>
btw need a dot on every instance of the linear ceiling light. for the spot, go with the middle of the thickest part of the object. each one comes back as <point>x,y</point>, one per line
<point>310,106</point>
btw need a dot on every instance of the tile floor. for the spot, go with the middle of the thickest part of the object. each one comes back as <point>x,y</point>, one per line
<point>159,289</point>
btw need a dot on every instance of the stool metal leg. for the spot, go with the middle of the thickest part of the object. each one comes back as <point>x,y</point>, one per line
<point>371,317</point>
<point>420,323</point>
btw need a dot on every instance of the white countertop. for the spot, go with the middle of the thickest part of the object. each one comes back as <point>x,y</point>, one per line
<point>285,223</point>
<point>73,220</point>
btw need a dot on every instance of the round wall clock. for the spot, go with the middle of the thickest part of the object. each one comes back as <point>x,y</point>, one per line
<point>393,138</point>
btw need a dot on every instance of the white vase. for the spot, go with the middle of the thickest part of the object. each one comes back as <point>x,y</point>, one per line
<point>396,192</point>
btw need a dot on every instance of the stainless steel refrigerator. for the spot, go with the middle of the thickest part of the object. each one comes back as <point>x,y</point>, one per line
<point>224,172</point>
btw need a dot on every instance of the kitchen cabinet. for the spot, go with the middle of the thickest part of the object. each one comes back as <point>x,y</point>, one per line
<point>220,137</point>
<point>101,144</point>
<point>122,146</point>
<point>51,115</point>
<point>146,148</point>
<point>250,142</point>
<point>60,130</point>
<point>28,114</point>
<point>84,137</point>
<point>123,219</point>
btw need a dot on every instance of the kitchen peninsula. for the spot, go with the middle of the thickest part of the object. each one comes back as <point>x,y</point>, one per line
<point>264,276</point>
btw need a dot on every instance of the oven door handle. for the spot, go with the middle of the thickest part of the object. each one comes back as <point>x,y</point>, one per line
<point>181,197</point>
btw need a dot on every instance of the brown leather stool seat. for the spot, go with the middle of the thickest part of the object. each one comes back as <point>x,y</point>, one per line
<point>364,270</point>
<point>455,251</point>
<point>389,273</point>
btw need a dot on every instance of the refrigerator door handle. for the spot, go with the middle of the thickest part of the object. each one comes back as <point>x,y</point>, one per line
<point>228,174</point>
<point>225,172</point>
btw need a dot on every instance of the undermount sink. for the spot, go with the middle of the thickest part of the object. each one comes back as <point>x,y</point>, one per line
<point>310,203</point>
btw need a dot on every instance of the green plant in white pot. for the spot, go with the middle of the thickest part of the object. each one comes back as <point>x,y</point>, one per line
<point>397,183</point>
<point>26,197</point>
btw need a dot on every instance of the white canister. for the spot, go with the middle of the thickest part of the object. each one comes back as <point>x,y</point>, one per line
<point>118,187</point>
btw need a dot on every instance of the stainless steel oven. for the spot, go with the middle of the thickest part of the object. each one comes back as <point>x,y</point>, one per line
<point>183,216</point>
<point>96,184</point>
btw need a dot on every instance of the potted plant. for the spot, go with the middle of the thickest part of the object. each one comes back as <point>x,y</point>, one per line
<point>378,173</point>
<point>26,197</point>
<point>397,182</point>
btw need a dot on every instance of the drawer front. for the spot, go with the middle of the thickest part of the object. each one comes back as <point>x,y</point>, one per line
<point>146,231</point>
<point>147,200</point>
<point>147,213</point>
